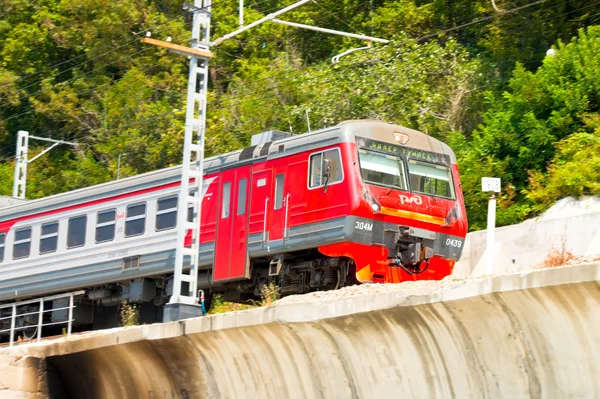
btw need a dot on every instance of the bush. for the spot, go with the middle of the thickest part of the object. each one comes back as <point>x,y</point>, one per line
<point>130,314</point>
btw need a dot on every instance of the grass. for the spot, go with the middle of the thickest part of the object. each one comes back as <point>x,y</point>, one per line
<point>558,257</point>
<point>269,295</point>
<point>130,314</point>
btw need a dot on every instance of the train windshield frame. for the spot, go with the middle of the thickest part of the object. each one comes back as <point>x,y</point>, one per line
<point>381,169</point>
<point>431,179</point>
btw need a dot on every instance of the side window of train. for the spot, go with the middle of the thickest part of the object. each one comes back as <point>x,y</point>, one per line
<point>105,225</point>
<point>2,244</point>
<point>279,191</point>
<point>22,245</point>
<point>242,193</point>
<point>226,204</point>
<point>49,237</point>
<point>166,213</point>
<point>76,231</point>
<point>135,220</point>
<point>325,168</point>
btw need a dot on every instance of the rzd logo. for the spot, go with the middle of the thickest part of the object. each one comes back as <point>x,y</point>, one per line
<point>411,200</point>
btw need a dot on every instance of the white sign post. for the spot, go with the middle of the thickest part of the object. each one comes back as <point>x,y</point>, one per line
<point>491,185</point>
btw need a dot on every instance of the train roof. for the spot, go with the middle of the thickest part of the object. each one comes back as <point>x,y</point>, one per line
<point>344,132</point>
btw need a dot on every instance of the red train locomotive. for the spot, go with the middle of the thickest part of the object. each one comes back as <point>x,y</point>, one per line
<point>362,201</point>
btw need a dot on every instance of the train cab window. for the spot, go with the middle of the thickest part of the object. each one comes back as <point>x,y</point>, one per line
<point>76,231</point>
<point>242,193</point>
<point>2,244</point>
<point>279,191</point>
<point>382,169</point>
<point>22,245</point>
<point>226,204</point>
<point>431,179</point>
<point>325,168</point>
<point>166,213</point>
<point>49,237</point>
<point>105,226</point>
<point>135,220</point>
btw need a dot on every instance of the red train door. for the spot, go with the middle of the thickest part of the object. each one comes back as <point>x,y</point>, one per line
<point>231,248</point>
<point>279,206</point>
<point>261,204</point>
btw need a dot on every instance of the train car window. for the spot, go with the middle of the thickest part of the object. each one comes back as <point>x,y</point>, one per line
<point>325,168</point>
<point>316,163</point>
<point>279,191</point>
<point>431,179</point>
<point>76,231</point>
<point>135,220</point>
<point>382,169</point>
<point>105,226</point>
<point>166,213</point>
<point>241,201</point>
<point>226,200</point>
<point>2,244</point>
<point>22,245</point>
<point>49,237</point>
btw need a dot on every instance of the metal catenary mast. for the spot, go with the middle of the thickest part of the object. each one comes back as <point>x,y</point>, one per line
<point>21,161</point>
<point>184,301</point>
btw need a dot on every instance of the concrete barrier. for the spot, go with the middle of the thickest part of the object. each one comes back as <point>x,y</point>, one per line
<point>519,247</point>
<point>535,334</point>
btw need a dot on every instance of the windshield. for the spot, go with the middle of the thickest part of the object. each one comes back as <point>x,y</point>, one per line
<point>430,179</point>
<point>382,169</point>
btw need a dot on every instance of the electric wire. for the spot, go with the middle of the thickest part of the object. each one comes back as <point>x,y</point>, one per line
<point>257,95</point>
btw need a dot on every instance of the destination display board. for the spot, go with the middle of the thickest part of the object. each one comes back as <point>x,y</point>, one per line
<point>407,152</point>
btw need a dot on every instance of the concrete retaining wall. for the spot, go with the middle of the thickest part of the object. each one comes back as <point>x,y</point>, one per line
<point>531,335</point>
<point>520,246</point>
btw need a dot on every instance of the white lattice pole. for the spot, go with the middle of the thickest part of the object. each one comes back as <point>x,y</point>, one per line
<point>193,151</point>
<point>20,179</point>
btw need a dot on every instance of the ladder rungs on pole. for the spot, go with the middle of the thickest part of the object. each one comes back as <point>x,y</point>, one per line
<point>188,252</point>
<point>191,200</point>
<point>195,147</point>
<point>191,226</point>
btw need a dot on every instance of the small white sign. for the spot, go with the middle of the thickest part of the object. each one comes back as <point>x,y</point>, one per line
<point>261,182</point>
<point>490,184</point>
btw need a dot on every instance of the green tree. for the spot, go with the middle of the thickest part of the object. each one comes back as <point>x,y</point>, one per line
<point>517,136</point>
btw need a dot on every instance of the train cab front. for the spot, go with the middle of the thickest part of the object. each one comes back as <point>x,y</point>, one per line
<point>409,222</point>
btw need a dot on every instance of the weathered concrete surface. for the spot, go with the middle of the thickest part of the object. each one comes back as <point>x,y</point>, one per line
<point>534,335</point>
<point>518,247</point>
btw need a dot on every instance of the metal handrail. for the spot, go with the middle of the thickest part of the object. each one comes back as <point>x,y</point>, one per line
<point>40,323</point>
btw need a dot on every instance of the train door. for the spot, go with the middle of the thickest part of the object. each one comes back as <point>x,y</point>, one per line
<point>260,205</point>
<point>280,206</point>
<point>231,248</point>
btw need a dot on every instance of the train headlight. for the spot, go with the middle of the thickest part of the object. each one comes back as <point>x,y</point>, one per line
<point>375,207</point>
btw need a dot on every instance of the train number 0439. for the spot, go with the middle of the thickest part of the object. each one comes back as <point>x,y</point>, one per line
<point>454,243</point>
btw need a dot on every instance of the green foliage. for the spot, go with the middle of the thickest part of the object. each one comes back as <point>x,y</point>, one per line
<point>574,170</point>
<point>130,314</point>
<point>517,137</point>
<point>77,70</point>
<point>219,305</point>
<point>269,294</point>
